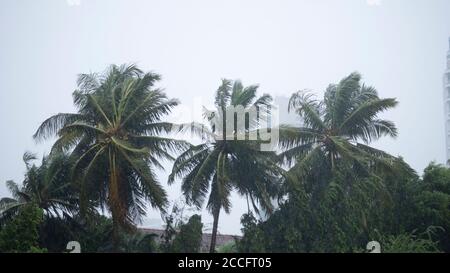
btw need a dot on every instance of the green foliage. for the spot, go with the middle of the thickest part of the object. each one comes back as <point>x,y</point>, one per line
<point>414,218</point>
<point>181,234</point>
<point>55,233</point>
<point>189,237</point>
<point>408,243</point>
<point>417,204</point>
<point>95,234</point>
<point>297,227</point>
<point>137,243</point>
<point>394,214</point>
<point>436,177</point>
<point>21,234</point>
<point>47,186</point>
<point>253,241</point>
<point>433,203</point>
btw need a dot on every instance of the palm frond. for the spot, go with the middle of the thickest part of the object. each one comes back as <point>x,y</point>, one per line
<point>308,108</point>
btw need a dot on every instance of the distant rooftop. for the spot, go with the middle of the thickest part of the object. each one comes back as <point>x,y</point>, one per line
<point>221,239</point>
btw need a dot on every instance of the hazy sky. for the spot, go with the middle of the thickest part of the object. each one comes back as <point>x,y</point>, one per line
<point>398,45</point>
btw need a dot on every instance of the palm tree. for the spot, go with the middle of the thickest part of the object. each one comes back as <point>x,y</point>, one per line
<point>47,186</point>
<point>337,131</point>
<point>221,164</point>
<point>115,141</point>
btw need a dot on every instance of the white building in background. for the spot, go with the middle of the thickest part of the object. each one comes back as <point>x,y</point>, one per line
<point>447,105</point>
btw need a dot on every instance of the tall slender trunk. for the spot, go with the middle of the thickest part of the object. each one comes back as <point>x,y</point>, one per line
<point>114,201</point>
<point>212,248</point>
<point>115,237</point>
<point>248,205</point>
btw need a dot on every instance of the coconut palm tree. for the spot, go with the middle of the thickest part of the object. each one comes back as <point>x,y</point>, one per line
<point>337,131</point>
<point>47,186</point>
<point>115,140</point>
<point>222,163</point>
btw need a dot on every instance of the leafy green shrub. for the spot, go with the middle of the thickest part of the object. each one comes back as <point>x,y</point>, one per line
<point>253,240</point>
<point>189,237</point>
<point>21,234</point>
<point>409,243</point>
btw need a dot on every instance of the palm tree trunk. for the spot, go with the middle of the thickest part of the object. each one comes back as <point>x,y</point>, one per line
<point>114,201</point>
<point>115,236</point>
<point>212,248</point>
<point>248,205</point>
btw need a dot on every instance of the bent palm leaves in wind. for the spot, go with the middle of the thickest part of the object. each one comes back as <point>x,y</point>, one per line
<point>336,131</point>
<point>221,164</point>
<point>114,138</point>
<point>46,186</point>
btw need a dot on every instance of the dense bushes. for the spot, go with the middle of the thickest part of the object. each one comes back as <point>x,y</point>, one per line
<point>21,234</point>
<point>181,236</point>
<point>189,237</point>
<point>414,218</point>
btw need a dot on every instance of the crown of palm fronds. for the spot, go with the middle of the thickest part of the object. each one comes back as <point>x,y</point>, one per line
<point>220,165</point>
<point>337,130</point>
<point>115,139</point>
<point>46,186</point>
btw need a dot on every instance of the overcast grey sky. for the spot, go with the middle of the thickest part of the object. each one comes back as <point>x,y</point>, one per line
<point>398,45</point>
